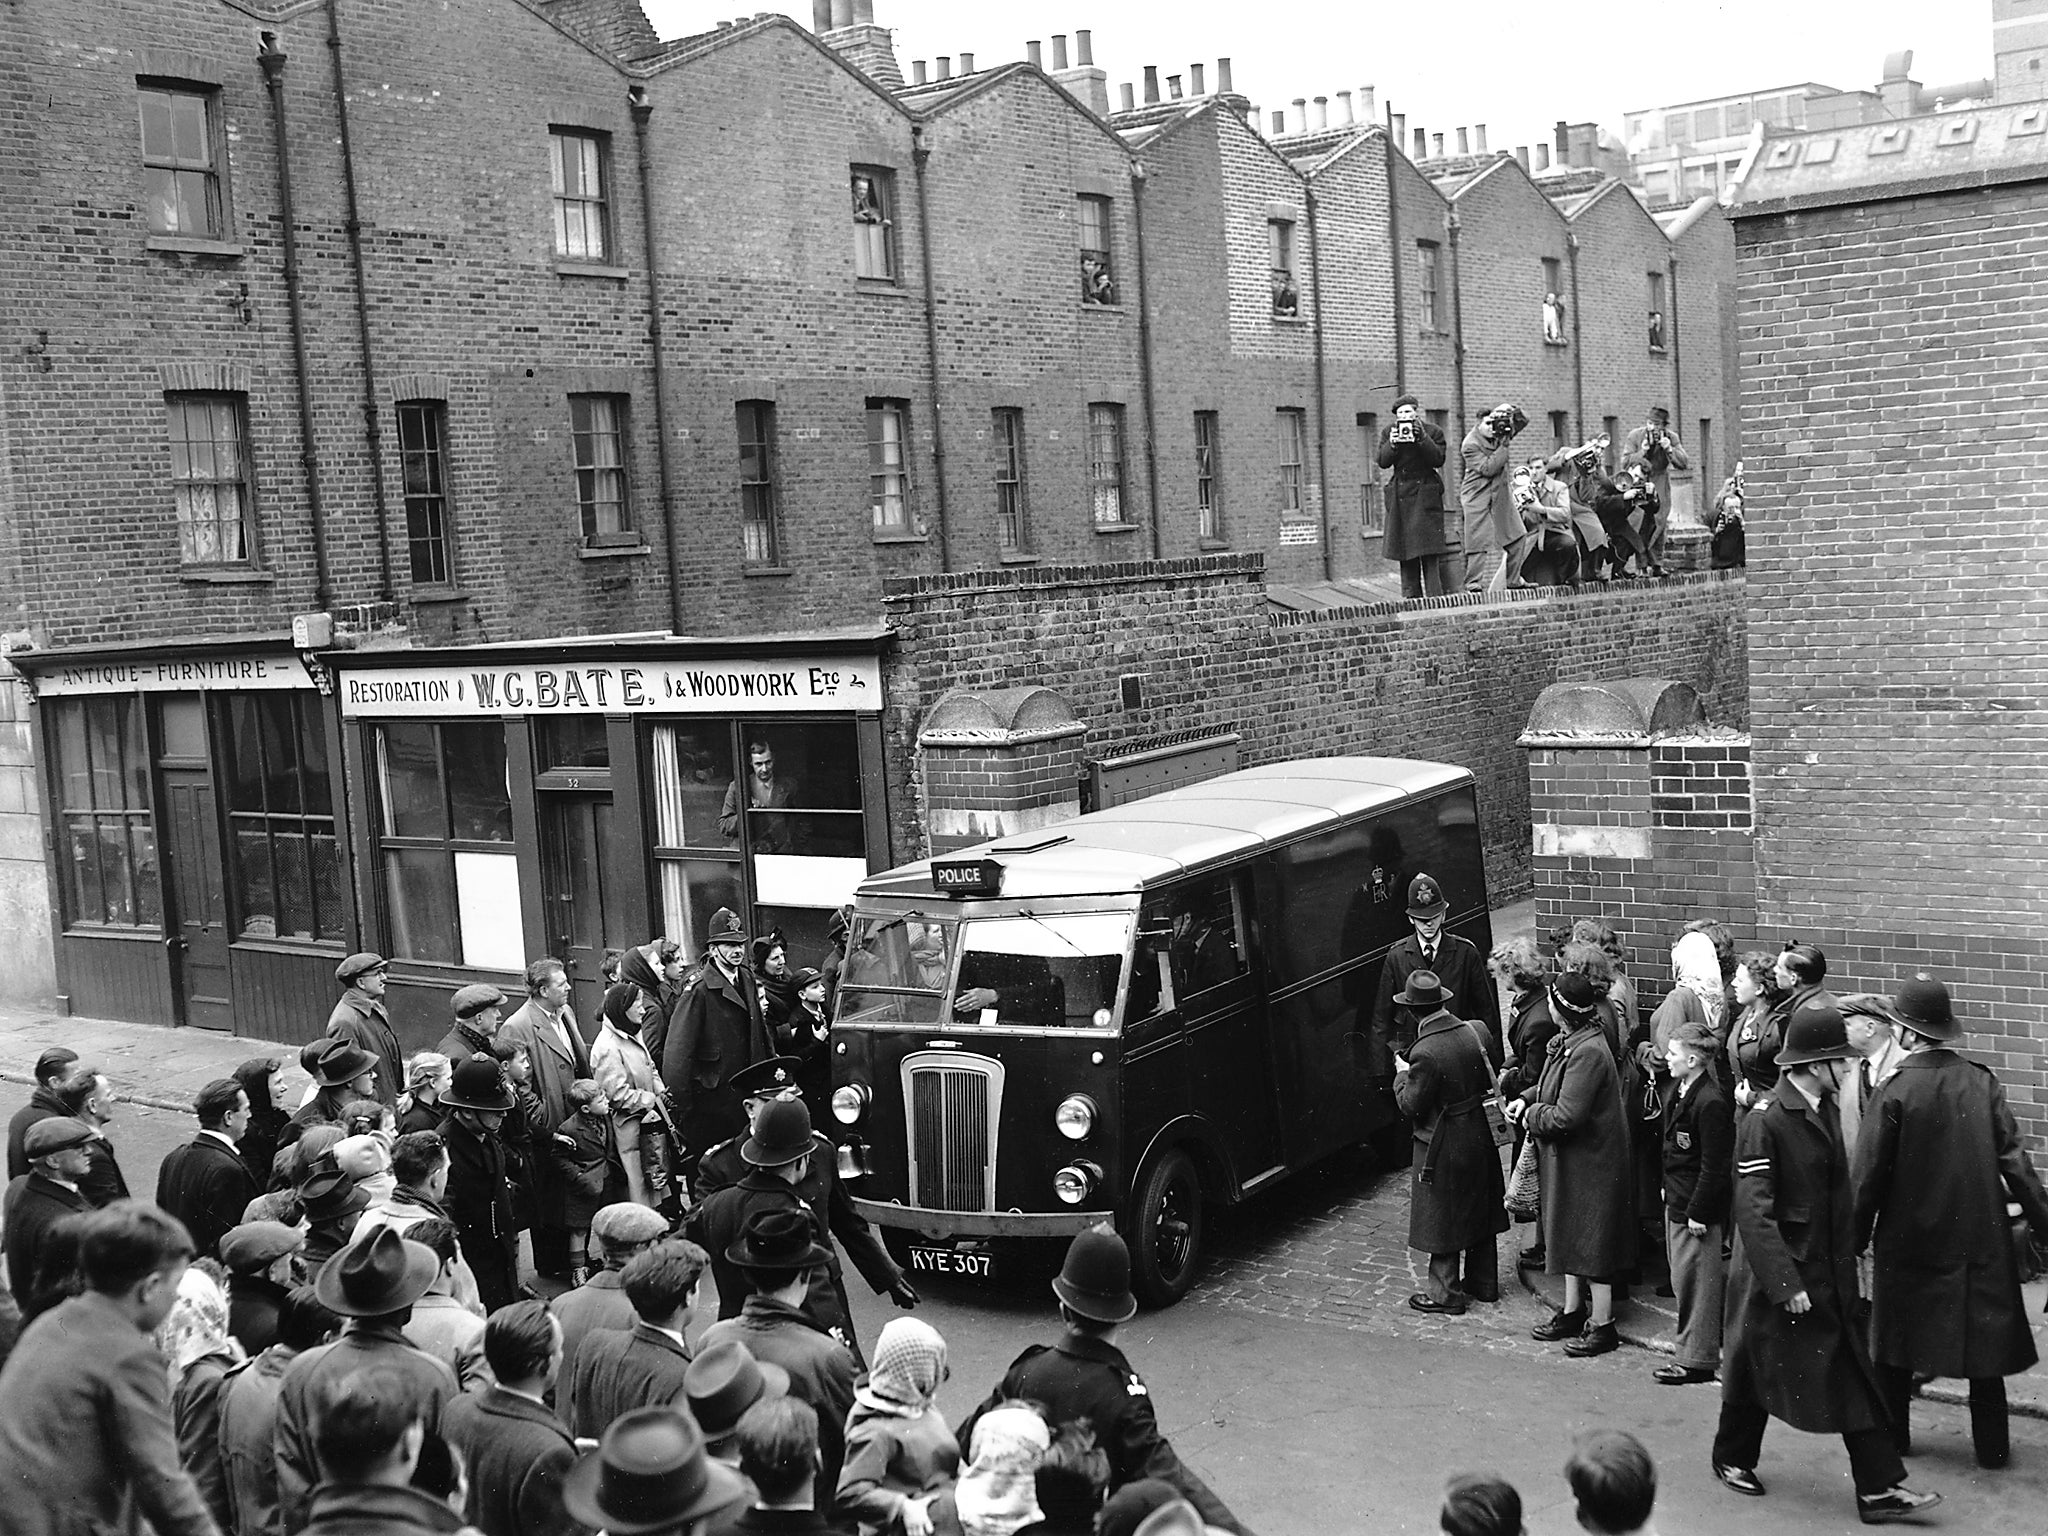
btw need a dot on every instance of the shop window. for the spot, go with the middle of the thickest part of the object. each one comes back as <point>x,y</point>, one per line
<point>759,544</point>
<point>1013,527</point>
<point>210,482</point>
<point>1208,485</point>
<point>889,468</point>
<point>421,426</point>
<point>1280,257</point>
<point>874,224</point>
<point>571,741</point>
<point>288,875</point>
<point>582,211</point>
<point>1293,462</point>
<point>450,878</point>
<point>181,160</point>
<point>597,425</point>
<point>1106,465</point>
<point>109,852</point>
<point>1098,262</point>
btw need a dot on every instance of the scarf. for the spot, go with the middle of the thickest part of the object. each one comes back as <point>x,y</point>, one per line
<point>197,1325</point>
<point>997,1492</point>
<point>910,1363</point>
<point>1698,969</point>
<point>617,999</point>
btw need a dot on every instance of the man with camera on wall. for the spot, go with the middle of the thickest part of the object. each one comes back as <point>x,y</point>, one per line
<point>1657,448</point>
<point>1493,528</point>
<point>1414,531</point>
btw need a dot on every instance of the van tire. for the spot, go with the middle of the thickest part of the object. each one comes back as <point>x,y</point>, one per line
<point>1166,1230</point>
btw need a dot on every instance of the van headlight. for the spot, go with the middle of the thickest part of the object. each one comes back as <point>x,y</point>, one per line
<point>1076,1182</point>
<point>1075,1117</point>
<point>849,1103</point>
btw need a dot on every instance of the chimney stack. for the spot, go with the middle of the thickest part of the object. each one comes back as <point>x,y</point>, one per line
<point>1398,128</point>
<point>1368,106</point>
<point>1322,113</point>
<point>821,15</point>
<point>1173,87</point>
<point>1035,54</point>
<point>1279,123</point>
<point>1344,102</point>
<point>1522,154</point>
<point>945,62</point>
<point>1563,134</point>
<point>1084,82</point>
<point>1542,157</point>
<point>917,72</point>
<point>1059,51</point>
<point>1436,146</point>
<point>1464,142</point>
<point>966,63</point>
<point>1084,48</point>
<point>1129,97</point>
<point>842,14</point>
<point>1421,145</point>
<point>1479,133</point>
<point>1223,85</point>
<point>1151,85</point>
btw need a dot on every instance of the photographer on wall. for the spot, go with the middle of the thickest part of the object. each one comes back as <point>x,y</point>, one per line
<point>1657,448</point>
<point>1414,533</point>
<point>1495,540</point>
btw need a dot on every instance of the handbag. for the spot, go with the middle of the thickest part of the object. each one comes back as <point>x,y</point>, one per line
<point>1524,1184</point>
<point>1490,1105</point>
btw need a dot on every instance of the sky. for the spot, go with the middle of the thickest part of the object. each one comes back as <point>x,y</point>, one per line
<point>1453,63</point>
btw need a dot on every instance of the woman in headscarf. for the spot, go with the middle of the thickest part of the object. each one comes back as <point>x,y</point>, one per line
<point>194,1340</point>
<point>263,1079</point>
<point>997,1493</point>
<point>633,1088</point>
<point>778,987</point>
<point>900,1452</point>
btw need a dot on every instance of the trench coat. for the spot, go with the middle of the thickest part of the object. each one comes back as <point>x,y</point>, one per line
<point>715,1032</point>
<point>1456,1189</point>
<point>1485,489</point>
<point>364,1023</point>
<point>1935,1159</point>
<point>1582,1149</point>
<point>1414,494</point>
<point>1794,1231</point>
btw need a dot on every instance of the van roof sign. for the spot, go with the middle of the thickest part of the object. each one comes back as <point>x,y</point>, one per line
<point>967,877</point>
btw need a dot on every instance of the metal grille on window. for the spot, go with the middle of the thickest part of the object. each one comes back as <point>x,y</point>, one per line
<point>600,464</point>
<point>1012,532</point>
<point>181,187</point>
<point>578,168</point>
<point>426,491</point>
<point>1208,501</point>
<point>209,477</point>
<point>888,473</point>
<point>1106,463</point>
<point>873,251</point>
<point>757,482</point>
<point>1098,268</point>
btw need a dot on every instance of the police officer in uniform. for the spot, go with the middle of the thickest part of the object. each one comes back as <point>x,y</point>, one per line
<point>1457,965</point>
<point>1085,1376</point>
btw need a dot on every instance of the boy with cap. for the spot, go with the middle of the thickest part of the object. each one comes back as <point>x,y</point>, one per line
<point>50,1070</point>
<point>1085,1376</point>
<point>361,1019</point>
<point>1699,1147</point>
<point>619,1231</point>
<point>56,1148</point>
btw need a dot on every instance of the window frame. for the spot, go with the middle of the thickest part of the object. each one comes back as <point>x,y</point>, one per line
<point>880,412</point>
<point>1561,428</point>
<point>1280,258</point>
<point>1209,523</point>
<point>220,207</point>
<point>1429,286</point>
<point>237,403</point>
<point>626,535</point>
<point>1109,474</point>
<point>1372,510</point>
<point>434,505</point>
<point>1658,319</point>
<point>883,181</point>
<point>305,825</point>
<point>445,843</point>
<point>1012,481</point>
<point>134,814</point>
<point>760,498</point>
<point>599,144</point>
<point>1610,428</point>
<point>1292,423</point>
<point>1099,210</point>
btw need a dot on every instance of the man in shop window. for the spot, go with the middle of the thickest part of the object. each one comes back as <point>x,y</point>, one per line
<point>761,790</point>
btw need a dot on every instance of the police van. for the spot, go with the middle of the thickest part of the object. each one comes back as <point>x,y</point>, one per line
<point>1138,1013</point>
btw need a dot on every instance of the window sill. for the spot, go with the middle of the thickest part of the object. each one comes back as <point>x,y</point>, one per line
<point>1017,557</point>
<point>591,269</point>
<point>881,287</point>
<point>767,570</point>
<point>441,595</point>
<point>225,576</point>
<point>1301,320</point>
<point>1115,528</point>
<point>1660,351</point>
<point>1560,345</point>
<point>1207,545</point>
<point>902,538</point>
<point>612,551</point>
<point>1100,309</point>
<point>1430,333</point>
<point>193,245</point>
<point>264,944</point>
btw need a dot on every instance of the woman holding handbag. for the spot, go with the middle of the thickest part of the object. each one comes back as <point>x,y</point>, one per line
<point>1582,1133</point>
<point>632,1086</point>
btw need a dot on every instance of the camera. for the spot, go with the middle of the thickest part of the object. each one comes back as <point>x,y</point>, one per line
<point>1506,420</point>
<point>1401,432</point>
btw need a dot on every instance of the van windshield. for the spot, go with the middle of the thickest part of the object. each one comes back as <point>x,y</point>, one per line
<point>897,969</point>
<point>1054,972</point>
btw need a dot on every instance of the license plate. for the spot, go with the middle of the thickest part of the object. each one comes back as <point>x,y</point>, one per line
<point>970,1263</point>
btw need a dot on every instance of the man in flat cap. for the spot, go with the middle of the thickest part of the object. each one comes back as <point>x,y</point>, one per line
<point>51,1069</point>
<point>479,1010</point>
<point>361,1019</point>
<point>57,1154</point>
<point>265,1264</point>
<point>619,1231</point>
<point>205,1183</point>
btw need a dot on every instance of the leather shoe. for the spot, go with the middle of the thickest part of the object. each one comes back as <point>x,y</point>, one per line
<point>1562,1325</point>
<point>1893,1505</point>
<point>1675,1375</point>
<point>1453,1304</point>
<point>1741,1479</point>
<point>1531,1258</point>
<point>1598,1340</point>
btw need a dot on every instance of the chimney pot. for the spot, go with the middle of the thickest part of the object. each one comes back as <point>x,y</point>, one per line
<point>1479,136</point>
<point>1130,97</point>
<point>966,63</point>
<point>1151,84</point>
<point>863,13</point>
<point>1563,135</point>
<point>1436,146</point>
<point>1195,86</point>
<point>1464,142</point>
<point>1322,113</point>
<point>1173,87</point>
<point>1421,144</point>
<point>1368,107</point>
<point>1059,51</point>
<point>1542,157</point>
<point>1344,102</point>
<point>1399,128</point>
<point>1223,85</point>
<point>917,72</point>
<point>1522,154</point>
<point>1279,122</point>
<point>1035,52</point>
<point>821,15</point>
<point>1299,116</point>
<point>1084,48</point>
<point>945,62</point>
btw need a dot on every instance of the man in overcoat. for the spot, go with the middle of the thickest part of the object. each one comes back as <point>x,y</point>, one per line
<point>1657,448</point>
<point>360,1018</point>
<point>1938,1156</point>
<point>715,1033</point>
<point>546,1026</point>
<point>479,1188</point>
<point>1456,963</point>
<point>205,1183</point>
<point>1413,535</point>
<point>51,1068</point>
<point>1495,540</point>
<point>1455,1208</point>
<point>1793,1351</point>
<point>518,1452</point>
<point>56,1151</point>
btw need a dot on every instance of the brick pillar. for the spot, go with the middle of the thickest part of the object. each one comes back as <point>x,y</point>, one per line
<point>997,764</point>
<point>1641,814</point>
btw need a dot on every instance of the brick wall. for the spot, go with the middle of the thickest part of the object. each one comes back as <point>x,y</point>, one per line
<point>1896,357</point>
<point>1449,680</point>
<point>1707,362</point>
<point>1619,246</point>
<point>1506,229</point>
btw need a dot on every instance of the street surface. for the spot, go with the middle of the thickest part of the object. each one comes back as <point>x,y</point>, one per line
<point>1300,1385</point>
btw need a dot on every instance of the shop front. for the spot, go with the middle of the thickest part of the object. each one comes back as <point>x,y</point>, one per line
<point>571,798</point>
<point>197,858</point>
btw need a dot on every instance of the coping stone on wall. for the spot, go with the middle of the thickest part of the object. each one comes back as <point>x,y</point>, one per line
<point>1623,712</point>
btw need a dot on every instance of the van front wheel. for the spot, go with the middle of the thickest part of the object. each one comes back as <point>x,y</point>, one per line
<point>1166,1230</point>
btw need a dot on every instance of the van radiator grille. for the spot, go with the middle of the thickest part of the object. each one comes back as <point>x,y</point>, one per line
<point>952,1149</point>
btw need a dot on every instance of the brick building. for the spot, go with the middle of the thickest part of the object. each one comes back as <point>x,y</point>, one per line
<point>442,330</point>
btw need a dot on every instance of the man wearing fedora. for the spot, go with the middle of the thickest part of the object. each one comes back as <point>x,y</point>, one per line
<point>342,1073</point>
<point>716,1031</point>
<point>205,1183</point>
<point>372,1285</point>
<point>1456,1204</point>
<point>368,1436</point>
<point>779,1249</point>
<point>331,1203</point>
<point>361,1019</point>
<point>42,1197</point>
<point>619,1232</point>
<point>1085,1376</point>
<point>546,1025</point>
<point>1456,963</point>
<point>479,1010</point>
<point>650,1476</point>
<point>1939,1156</point>
<point>722,1383</point>
<point>479,1190</point>
<point>614,1371</point>
<point>517,1451</point>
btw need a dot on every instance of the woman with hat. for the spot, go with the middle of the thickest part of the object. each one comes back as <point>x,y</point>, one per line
<point>342,1074</point>
<point>1583,1140</point>
<point>1455,1208</point>
<point>650,1476</point>
<point>479,1197</point>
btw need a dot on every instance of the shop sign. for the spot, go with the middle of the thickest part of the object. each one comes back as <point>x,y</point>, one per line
<point>174,675</point>
<point>614,687</point>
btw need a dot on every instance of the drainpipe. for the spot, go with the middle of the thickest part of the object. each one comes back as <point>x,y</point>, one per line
<point>372,427</point>
<point>1457,323</point>
<point>1394,244</point>
<point>1145,361</point>
<point>642,110</point>
<point>1571,250</point>
<point>1315,277</point>
<point>920,158</point>
<point>272,58</point>
<point>1677,359</point>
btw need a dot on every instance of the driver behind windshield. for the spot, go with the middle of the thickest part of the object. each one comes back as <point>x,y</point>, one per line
<point>1021,988</point>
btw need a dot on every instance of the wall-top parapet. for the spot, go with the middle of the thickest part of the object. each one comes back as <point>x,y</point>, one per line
<point>1621,712</point>
<point>1868,162</point>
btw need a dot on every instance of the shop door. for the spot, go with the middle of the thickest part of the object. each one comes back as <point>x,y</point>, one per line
<point>198,922</point>
<point>575,845</point>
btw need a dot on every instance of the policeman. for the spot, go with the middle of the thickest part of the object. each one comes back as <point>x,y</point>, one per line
<point>1085,1376</point>
<point>1793,1350</point>
<point>1457,963</point>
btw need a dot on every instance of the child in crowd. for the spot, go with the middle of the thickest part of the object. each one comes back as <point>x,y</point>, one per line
<point>586,1154</point>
